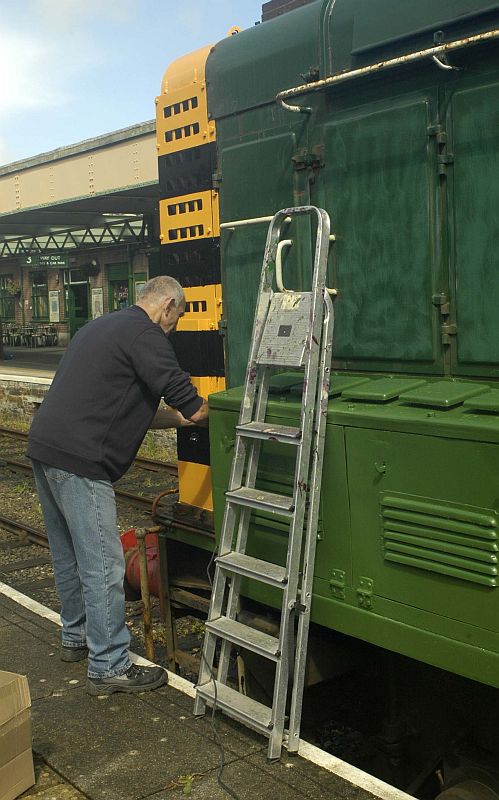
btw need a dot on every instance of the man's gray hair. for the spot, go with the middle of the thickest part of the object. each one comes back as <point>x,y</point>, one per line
<point>163,286</point>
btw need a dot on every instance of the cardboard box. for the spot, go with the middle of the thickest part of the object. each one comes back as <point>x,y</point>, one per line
<point>16,757</point>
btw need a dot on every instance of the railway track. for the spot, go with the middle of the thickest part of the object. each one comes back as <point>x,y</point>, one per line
<point>143,463</point>
<point>26,532</point>
<point>138,500</point>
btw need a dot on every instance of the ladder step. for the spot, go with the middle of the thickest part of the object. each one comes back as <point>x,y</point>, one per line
<point>262,501</point>
<point>255,568</point>
<point>248,638</point>
<point>265,431</point>
<point>237,706</point>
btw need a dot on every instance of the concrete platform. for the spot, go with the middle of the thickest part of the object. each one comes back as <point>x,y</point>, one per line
<point>30,362</point>
<point>148,746</point>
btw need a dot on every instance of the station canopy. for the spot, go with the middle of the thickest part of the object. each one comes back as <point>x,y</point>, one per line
<point>99,192</point>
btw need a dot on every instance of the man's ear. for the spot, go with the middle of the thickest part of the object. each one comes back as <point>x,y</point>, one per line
<point>169,304</point>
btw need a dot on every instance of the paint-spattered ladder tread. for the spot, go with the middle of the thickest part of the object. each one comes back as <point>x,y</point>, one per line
<point>237,706</point>
<point>256,568</point>
<point>268,432</point>
<point>243,636</point>
<point>262,501</point>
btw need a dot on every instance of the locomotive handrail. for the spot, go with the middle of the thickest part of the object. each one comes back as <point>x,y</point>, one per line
<point>417,55</point>
<point>240,223</point>
<point>278,265</point>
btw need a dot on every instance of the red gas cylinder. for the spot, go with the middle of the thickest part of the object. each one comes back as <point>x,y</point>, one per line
<point>132,562</point>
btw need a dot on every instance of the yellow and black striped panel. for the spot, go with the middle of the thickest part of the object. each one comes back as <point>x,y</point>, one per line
<point>187,171</point>
<point>188,217</point>
<point>190,249</point>
<point>193,263</point>
<point>181,109</point>
<point>203,308</point>
<point>195,485</point>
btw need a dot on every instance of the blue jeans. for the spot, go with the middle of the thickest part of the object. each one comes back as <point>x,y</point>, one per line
<point>89,566</point>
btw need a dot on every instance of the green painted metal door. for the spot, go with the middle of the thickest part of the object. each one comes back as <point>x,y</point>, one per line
<point>78,306</point>
<point>257,180</point>
<point>119,287</point>
<point>475,143</point>
<point>424,532</point>
<point>379,184</point>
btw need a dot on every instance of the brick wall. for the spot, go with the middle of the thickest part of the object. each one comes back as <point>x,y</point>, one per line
<point>19,398</point>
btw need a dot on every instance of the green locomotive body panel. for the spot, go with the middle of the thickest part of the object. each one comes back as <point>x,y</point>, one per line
<point>403,161</point>
<point>408,537</point>
<point>406,163</point>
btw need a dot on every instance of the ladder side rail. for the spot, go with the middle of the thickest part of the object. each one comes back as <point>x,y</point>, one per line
<point>313,394</point>
<point>315,336</point>
<point>311,532</point>
<point>244,472</point>
<point>302,474</point>
<point>290,596</point>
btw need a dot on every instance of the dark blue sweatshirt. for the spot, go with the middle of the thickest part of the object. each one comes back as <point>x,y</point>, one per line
<point>105,394</point>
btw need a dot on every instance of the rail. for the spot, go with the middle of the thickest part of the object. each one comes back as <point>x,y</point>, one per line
<point>399,61</point>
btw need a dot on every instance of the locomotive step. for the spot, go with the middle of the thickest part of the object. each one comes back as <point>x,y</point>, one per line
<point>237,706</point>
<point>250,567</point>
<point>268,432</point>
<point>248,638</point>
<point>262,501</point>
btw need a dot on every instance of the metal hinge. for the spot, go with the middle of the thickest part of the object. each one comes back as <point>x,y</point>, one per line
<point>365,593</point>
<point>337,584</point>
<point>448,330</point>
<point>438,132</point>
<point>442,302</point>
<point>222,327</point>
<point>216,180</point>
<point>443,161</point>
<point>309,159</point>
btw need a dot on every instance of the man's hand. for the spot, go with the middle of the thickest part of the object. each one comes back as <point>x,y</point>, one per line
<point>201,415</point>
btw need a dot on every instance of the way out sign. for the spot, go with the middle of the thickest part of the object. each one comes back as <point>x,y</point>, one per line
<point>44,260</point>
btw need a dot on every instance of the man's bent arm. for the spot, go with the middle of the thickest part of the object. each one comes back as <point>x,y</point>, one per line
<point>168,417</point>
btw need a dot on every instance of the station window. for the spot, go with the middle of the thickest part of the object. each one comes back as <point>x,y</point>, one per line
<point>75,276</point>
<point>7,298</point>
<point>40,295</point>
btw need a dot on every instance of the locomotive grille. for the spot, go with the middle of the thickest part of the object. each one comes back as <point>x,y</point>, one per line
<point>456,541</point>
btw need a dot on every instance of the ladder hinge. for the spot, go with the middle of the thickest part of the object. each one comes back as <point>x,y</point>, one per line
<point>448,330</point>
<point>222,327</point>
<point>309,159</point>
<point>297,606</point>
<point>337,584</point>
<point>365,593</point>
<point>216,180</point>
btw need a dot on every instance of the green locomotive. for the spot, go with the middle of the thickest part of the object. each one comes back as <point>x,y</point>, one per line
<point>386,114</point>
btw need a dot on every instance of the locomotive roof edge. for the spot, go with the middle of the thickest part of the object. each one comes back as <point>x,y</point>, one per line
<point>329,36</point>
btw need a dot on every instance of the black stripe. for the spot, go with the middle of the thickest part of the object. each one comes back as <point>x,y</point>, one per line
<point>200,353</point>
<point>195,263</point>
<point>193,445</point>
<point>187,171</point>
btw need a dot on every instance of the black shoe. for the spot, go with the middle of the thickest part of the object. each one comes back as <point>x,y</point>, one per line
<point>135,679</point>
<point>73,653</point>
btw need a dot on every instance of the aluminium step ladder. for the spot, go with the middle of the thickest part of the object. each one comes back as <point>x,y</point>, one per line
<point>291,330</point>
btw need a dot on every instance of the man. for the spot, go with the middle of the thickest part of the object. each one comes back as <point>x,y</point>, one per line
<point>103,398</point>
